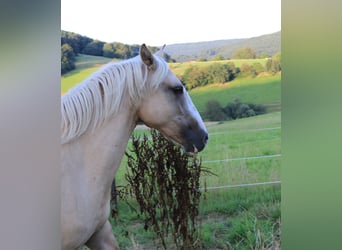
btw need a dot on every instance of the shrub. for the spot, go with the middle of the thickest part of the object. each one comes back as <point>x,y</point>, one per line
<point>246,70</point>
<point>244,53</point>
<point>273,65</point>
<point>237,109</point>
<point>194,77</point>
<point>214,112</point>
<point>259,109</point>
<point>233,110</point>
<point>218,73</point>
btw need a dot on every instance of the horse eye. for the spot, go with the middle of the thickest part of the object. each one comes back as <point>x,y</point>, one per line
<point>178,89</point>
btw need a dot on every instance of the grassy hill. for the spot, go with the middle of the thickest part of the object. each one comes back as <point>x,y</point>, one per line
<point>85,66</point>
<point>260,90</point>
<point>270,44</point>
<point>190,51</point>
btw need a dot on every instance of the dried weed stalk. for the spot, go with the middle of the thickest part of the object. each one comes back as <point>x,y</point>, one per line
<point>165,182</point>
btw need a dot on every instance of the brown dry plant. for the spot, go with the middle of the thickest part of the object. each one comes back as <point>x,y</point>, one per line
<point>165,181</point>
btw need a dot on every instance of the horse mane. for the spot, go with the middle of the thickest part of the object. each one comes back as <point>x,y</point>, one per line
<point>87,105</point>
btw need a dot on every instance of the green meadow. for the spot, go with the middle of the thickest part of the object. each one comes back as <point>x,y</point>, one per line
<point>259,90</point>
<point>245,151</point>
<point>231,217</point>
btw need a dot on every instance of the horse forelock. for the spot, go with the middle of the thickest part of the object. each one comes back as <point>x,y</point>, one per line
<point>90,103</point>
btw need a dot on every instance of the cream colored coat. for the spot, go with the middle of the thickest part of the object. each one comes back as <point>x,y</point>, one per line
<point>96,126</point>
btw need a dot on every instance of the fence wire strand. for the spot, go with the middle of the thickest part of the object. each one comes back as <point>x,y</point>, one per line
<point>242,185</point>
<point>244,158</point>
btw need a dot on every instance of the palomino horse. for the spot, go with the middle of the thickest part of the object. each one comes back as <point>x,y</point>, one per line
<point>98,118</point>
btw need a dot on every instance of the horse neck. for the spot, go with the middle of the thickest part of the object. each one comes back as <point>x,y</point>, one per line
<point>106,146</point>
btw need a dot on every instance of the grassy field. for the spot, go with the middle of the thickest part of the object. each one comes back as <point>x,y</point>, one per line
<point>259,90</point>
<point>232,218</point>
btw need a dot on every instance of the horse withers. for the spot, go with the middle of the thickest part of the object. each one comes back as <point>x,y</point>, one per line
<point>98,118</point>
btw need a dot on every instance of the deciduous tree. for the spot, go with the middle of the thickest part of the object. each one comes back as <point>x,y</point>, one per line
<point>244,53</point>
<point>67,58</point>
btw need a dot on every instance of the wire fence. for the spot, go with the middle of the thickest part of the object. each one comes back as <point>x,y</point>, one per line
<point>232,132</point>
<point>243,158</point>
<point>242,185</point>
<point>244,131</point>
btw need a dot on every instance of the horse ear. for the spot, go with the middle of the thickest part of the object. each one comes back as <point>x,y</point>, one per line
<point>146,56</point>
<point>161,52</point>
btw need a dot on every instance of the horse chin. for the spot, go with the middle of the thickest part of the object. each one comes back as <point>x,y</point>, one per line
<point>192,152</point>
<point>191,148</point>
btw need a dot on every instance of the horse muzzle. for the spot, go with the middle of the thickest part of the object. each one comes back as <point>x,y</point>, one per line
<point>195,141</point>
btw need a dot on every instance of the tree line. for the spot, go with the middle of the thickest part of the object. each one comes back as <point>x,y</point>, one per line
<point>73,44</point>
<point>218,72</point>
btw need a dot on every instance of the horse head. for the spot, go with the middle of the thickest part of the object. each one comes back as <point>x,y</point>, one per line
<point>169,108</point>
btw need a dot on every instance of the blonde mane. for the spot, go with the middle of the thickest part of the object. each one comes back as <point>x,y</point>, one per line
<point>90,103</point>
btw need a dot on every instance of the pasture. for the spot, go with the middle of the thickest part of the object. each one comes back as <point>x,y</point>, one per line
<point>264,90</point>
<point>245,151</point>
<point>231,217</point>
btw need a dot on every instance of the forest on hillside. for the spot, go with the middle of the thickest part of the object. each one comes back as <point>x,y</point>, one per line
<point>267,46</point>
<point>73,44</point>
<point>193,74</point>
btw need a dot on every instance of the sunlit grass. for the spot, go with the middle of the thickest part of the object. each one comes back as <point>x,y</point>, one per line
<point>259,90</point>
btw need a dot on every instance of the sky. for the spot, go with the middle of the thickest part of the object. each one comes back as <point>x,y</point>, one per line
<point>159,22</point>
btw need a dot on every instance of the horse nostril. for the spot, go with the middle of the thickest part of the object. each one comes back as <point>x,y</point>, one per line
<point>205,138</point>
